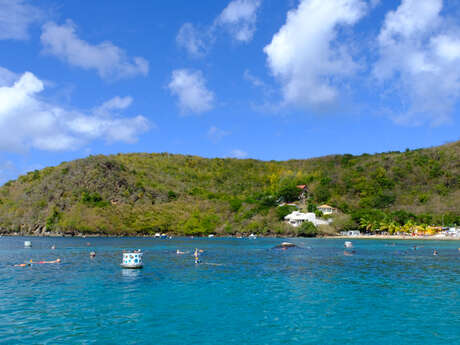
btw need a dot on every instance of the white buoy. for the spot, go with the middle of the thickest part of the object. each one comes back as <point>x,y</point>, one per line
<point>27,244</point>
<point>348,244</point>
<point>132,259</point>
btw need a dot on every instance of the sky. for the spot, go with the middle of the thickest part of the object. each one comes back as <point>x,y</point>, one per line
<point>263,79</point>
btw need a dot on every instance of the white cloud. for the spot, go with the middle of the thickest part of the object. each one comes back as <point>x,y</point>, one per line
<point>189,86</point>
<point>109,60</point>
<point>15,18</point>
<point>27,121</point>
<point>191,40</point>
<point>420,58</point>
<point>216,134</point>
<point>306,54</point>
<point>7,77</point>
<point>239,18</point>
<point>239,153</point>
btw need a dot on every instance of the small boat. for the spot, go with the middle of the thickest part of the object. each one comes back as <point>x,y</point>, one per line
<point>27,244</point>
<point>210,236</point>
<point>132,259</point>
<point>252,237</point>
<point>348,244</point>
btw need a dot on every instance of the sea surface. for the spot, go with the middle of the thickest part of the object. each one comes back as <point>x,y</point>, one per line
<point>243,292</point>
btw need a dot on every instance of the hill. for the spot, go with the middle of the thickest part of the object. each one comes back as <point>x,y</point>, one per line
<point>189,195</point>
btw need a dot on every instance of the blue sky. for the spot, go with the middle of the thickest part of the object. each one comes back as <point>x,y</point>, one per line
<point>261,79</point>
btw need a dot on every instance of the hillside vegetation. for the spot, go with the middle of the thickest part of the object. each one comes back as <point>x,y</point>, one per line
<point>189,195</point>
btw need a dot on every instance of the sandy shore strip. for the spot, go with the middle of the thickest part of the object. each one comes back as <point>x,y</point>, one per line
<point>397,237</point>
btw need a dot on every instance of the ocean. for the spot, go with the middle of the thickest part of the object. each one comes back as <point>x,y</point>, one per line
<point>243,292</point>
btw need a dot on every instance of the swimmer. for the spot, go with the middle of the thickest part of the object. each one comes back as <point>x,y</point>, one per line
<point>435,252</point>
<point>92,254</point>
<point>22,265</point>
<point>53,247</point>
<point>48,262</point>
<point>196,255</point>
<point>178,252</point>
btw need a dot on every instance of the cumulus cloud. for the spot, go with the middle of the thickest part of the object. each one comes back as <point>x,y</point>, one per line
<point>420,57</point>
<point>15,18</point>
<point>237,153</point>
<point>239,18</point>
<point>190,88</point>
<point>110,61</point>
<point>27,121</point>
<point>191,40</point>
<point>306,55</point>
<point>216,134</point>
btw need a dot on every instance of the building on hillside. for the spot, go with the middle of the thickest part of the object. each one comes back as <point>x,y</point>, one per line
<point>326,209</point>
<point>303,195</point>
<point>296,219</point>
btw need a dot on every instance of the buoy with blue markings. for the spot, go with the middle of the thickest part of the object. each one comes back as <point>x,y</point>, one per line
<point>132,259</point>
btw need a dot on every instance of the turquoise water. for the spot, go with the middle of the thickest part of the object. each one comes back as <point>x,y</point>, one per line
<point>244,292</point>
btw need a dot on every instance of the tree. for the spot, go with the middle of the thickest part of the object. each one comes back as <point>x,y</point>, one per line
<point>307,229</point>
<point>283,211</point>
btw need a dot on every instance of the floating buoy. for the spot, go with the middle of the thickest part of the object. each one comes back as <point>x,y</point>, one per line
<point>132,259</point>
<point>348,244</point>
<point>27,244</point>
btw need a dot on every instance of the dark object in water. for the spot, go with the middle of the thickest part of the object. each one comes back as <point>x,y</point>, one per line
<point>285,245</point>
<point>92,254</point>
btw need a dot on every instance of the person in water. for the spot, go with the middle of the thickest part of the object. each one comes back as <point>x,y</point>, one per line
<point>435,252</point>
<point>196,254</point>
<point>38,262</point>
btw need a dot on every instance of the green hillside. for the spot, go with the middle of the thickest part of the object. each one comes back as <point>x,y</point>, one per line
<point>149,193</point>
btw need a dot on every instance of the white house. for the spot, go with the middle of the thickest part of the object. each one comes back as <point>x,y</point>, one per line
<point>296,219</point>
<point>326,209</point>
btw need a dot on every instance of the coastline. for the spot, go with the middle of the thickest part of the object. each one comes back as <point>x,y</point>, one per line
<point>358,237</point>
<point>396,237</point>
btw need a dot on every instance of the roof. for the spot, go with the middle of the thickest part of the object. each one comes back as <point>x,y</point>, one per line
<point>325,206</point>
<point>296,215</point>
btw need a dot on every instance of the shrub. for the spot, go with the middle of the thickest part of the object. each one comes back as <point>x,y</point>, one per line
<point>307,229</point>
<point>283,211</point>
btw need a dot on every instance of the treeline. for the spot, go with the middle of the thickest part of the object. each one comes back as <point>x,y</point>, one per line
<point>189,195</point>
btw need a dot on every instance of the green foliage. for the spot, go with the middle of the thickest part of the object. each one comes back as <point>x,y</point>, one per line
<point>235,205</point>
<point>145,193</point>
<point>283,211</point>
<point>93,199</point>
<point>307,229</point>
<point>172,195</point>
<point>53,219</point>
<point>199,224</point>
<point>289,192</point>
